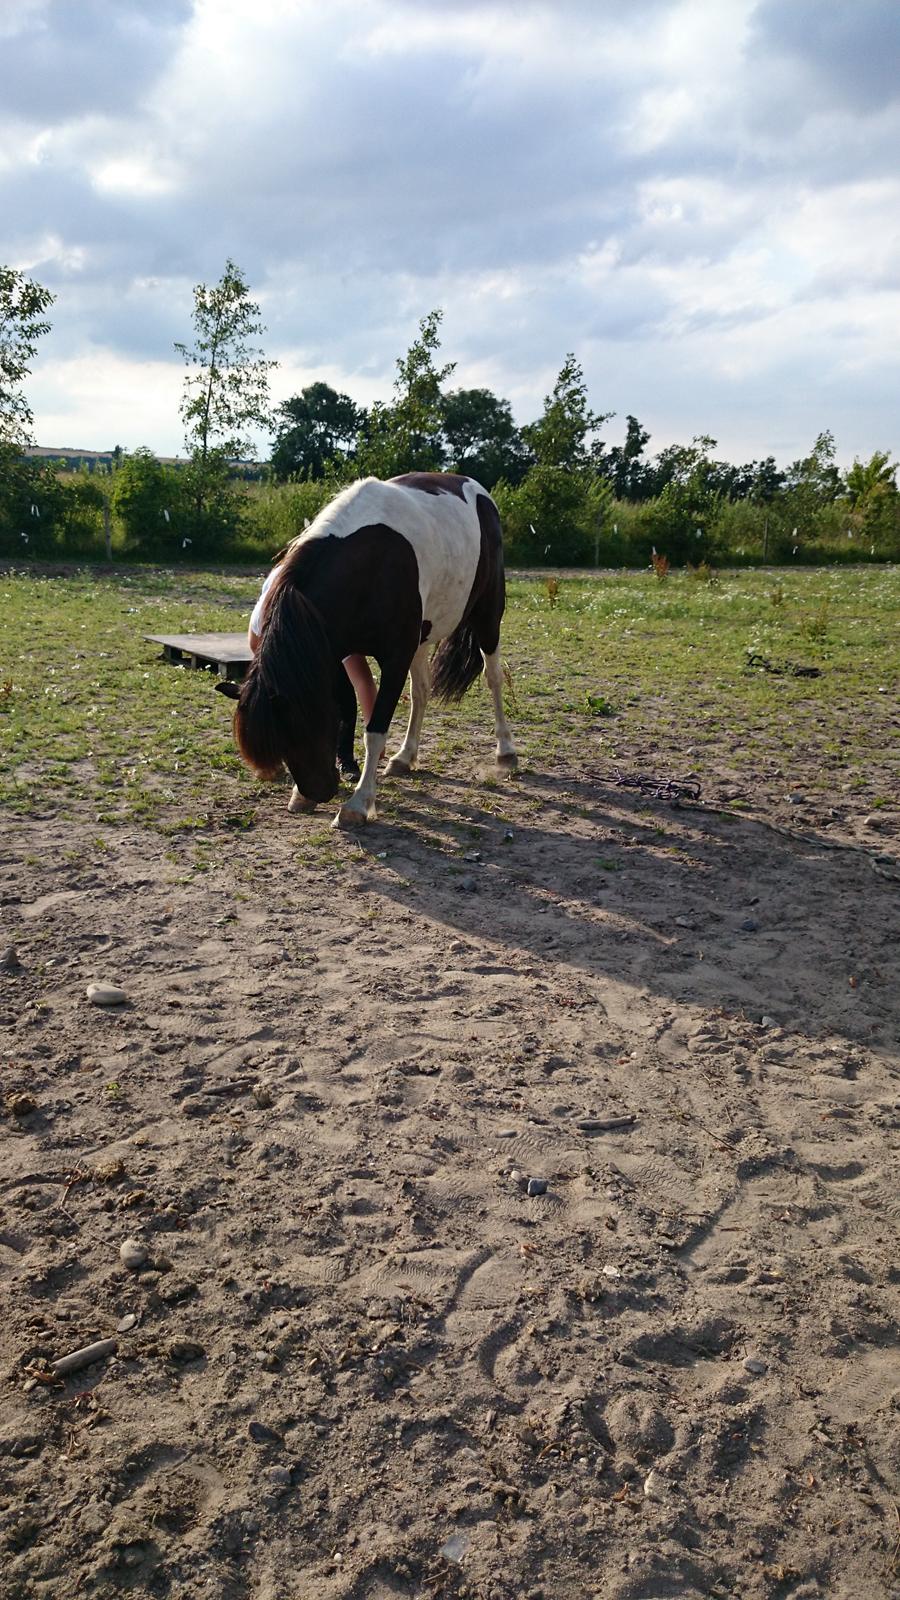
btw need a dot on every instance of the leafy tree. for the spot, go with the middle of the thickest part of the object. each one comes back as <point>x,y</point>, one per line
<point>810,486</point>
<point>407,436</point>
<point>866,479</point>
<point>624,465</point>
<point>315,428</point>
<point>560,437</point>
<point>226,390</point>
<point>481,438</point>
<point>22,306</point>
<point>150,501</point>
<point>872,492</point>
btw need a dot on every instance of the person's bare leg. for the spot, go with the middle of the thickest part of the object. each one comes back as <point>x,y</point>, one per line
<point>360,674</point>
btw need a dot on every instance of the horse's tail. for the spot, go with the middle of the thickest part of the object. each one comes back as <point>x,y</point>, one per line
<point>456,662</point>
<point>285,681</point>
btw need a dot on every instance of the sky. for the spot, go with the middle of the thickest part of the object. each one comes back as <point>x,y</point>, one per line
<point>699,198</point>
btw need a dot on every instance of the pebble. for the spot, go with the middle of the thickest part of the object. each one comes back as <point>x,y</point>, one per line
<point>133,1254</point>
<point>454,1548</point>
<point>280,1477</point>
<point>263,1096</point>
<point>467,884</point>
<point>749,925</point>
<point>507,1133</point>
<point>260,1434</point>
<point>768,1022</point>
<point>9,961</point>
<point>106,994</point>
<point>752,1364</point>
<point>126,1323</point>
<point>655,1486</point>
<point>536,1186</point>
<point>184,1350</point>
<point>610,1272</point>
<point>796,799</point>
<point>21,1105</point>
<point>684,922</point>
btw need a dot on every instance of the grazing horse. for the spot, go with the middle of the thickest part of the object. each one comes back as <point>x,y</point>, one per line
<point>388,569</point>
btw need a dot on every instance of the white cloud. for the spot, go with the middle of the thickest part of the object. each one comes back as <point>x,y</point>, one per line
<point>698,197</point>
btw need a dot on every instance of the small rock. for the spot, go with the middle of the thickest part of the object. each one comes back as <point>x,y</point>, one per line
<point>184,1350</point>
<point>684,922</point>
<point>467,884</point>
<point>752,1364</point>
<point>106,994</point>
<point>9,961</point>
<point>749,925</point>
<point>263,1096</point>
<point>454,1548</point>
<point>126,1323</point>
<point>507,1133</point>
<point>768,1022</point>
<point>536,1186</point>
<point>655,1486</point>
<point>611,1272</point>
<point>133,1254</point>
<point>280,1477</point>
<point>21,1105</point>
<point>260,1434</point>
<point>796,799</point>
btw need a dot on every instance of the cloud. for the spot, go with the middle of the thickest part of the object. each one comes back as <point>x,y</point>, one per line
<point>61,60</point>
<point>694,195</point>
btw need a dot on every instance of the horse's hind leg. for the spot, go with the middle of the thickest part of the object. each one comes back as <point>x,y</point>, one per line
<point>420,684</point>
<point>506,750</point>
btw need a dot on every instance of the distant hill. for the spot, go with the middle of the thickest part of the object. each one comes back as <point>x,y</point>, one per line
<point>88,458</point>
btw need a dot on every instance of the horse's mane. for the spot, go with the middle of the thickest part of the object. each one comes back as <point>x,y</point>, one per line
<point>290,683</point>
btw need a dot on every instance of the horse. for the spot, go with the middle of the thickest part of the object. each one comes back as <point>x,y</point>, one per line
<point>388,569</point>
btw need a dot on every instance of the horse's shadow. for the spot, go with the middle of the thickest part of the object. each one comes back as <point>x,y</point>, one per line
<point>687,905</point>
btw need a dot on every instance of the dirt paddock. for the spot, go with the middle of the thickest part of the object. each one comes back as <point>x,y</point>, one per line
<point>514,1224</point>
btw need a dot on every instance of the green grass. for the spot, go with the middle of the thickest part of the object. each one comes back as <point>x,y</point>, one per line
<point>93,724</point>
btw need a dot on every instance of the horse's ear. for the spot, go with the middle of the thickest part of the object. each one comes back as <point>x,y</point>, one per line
<point>230,690</point>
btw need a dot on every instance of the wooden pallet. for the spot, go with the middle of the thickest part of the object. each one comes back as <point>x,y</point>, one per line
<point>229,653</point>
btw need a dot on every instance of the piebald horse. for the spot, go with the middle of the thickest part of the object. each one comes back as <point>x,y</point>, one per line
<point>387,569</point>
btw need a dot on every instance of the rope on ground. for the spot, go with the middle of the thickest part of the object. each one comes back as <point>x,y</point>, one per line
<point>686,791</point>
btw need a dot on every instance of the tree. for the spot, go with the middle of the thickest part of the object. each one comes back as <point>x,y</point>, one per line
<point>316,428</point>
<point>868,479</point>
<point>810,486</point>
<point>481,438</point>
<point>148,498</point>
<point>624,465</point>
<point>226,390</point>
<point>407,435</point>
<point>22,306</point>
<point>560,436</point>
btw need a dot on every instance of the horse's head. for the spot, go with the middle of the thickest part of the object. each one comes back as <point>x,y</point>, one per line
<point>272,730</point>
<point>313,763</point>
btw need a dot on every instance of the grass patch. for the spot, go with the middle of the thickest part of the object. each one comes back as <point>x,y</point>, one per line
<point>94,724</point>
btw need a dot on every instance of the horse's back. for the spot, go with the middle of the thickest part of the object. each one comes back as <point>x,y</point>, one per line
<point>437,514</point>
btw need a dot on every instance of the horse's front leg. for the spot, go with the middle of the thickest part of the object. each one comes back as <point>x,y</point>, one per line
<point>360,807</point>
<point>420,683</point>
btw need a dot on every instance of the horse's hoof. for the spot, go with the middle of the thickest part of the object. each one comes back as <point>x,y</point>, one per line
<point>351,817</point>
<point>509,762</point>
<point>397,768</point>
<point>299,802</point>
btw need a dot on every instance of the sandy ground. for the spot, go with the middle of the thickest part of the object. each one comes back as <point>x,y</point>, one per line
<point>360,1359</point>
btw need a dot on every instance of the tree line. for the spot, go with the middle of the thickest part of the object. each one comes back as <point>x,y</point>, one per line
<point>567,497</point>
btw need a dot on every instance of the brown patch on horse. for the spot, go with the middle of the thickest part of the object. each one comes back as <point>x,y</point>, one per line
<point>434,482</point>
